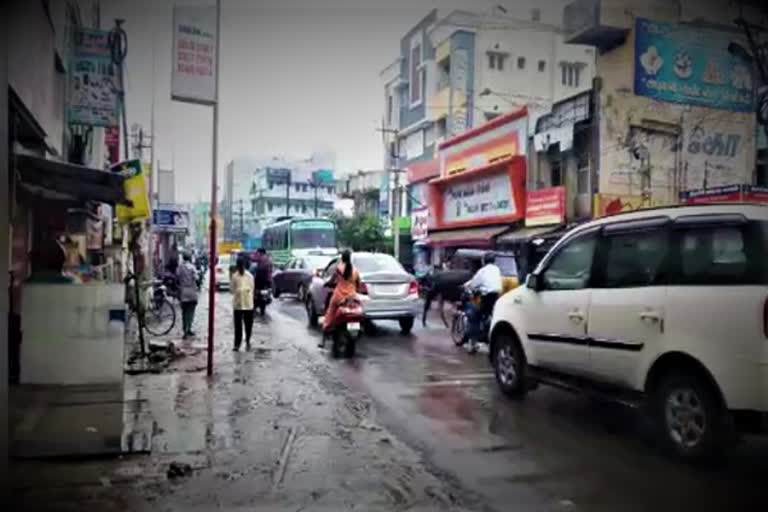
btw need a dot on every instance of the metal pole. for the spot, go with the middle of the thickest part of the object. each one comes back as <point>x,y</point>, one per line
<point>315,184</point>
<point>214,180</point>
<point>288,196</point>
<point>396,214</point>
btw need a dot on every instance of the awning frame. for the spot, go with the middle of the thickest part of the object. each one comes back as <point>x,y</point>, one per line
<point>70,180</point>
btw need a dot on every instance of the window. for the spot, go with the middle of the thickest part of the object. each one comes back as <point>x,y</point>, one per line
<point>415,81</point>
<point>269,206</point>
<point>297,187</point>
<point>389,109</point>
<point>720,255</point>
<point>496,60</point>
<point>571,267</point>
<point>304,187</point>
<point>521,63</point>
<point>542,65</point>
<point>570,73</point>
<point>271,185</point>
<point>635,258</point>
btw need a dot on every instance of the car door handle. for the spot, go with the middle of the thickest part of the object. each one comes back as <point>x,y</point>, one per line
<point>576,316</point>
<point>653,316</point>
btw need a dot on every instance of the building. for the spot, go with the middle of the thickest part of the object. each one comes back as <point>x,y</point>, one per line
<point>236,199</point>
<point>61,204</point>
<point>293,188</point>
<point>364,188</point>
<point>670,118</point>
<point>459,69</point>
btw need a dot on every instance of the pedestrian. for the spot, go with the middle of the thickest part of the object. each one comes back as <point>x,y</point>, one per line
<point>187,275</point>
<point>346,282</point>
<point>242,302</point>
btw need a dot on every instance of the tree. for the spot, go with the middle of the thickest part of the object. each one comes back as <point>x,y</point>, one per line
<point>360,232</point>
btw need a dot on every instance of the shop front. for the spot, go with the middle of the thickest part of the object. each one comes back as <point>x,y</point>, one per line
<point>480,193</point>
<point>419,175</point>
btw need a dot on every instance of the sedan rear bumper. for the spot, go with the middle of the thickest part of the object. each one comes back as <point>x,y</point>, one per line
<point>391,309</point>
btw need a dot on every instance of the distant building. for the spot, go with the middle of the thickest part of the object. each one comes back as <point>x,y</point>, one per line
<point>236,197</point>
<point>364,188</point>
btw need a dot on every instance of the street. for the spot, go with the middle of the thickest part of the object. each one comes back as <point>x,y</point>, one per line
<point>412,423</point>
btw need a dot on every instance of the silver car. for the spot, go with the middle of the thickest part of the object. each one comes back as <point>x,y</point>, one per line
<point>387,291</point>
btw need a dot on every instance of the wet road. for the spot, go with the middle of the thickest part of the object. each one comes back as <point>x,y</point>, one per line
<point>553,451</point>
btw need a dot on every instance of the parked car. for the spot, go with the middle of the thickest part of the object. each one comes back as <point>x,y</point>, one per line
<point>666,308</point>
<point>224,267</point>
<point>387,291</point>
<point>296,276</point>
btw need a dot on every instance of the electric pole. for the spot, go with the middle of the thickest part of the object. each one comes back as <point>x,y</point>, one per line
<point>242,228</point>
<point>395,157</point>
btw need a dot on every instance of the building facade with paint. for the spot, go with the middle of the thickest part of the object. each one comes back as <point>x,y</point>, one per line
<point>674,108</point>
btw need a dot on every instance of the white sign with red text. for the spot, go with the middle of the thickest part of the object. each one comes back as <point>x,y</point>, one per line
<point>194,52</point>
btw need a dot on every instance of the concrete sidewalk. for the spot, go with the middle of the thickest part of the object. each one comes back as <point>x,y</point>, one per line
<point>275,429</point>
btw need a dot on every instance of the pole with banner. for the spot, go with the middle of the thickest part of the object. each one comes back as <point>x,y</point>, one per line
<point>195,79</point>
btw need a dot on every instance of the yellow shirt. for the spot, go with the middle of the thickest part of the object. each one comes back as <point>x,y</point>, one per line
<point>242,290</point>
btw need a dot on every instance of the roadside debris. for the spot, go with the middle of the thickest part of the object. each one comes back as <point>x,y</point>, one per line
<point>178,469</point>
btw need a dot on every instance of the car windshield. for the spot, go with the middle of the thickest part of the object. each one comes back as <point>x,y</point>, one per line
<point>370,263</point>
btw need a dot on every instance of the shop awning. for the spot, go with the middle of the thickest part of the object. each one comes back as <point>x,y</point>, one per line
<point>62,180</point>
<point>471,237</point>
<point>528,233</point>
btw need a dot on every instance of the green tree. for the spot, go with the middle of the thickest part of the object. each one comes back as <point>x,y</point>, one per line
<point>361,232</point>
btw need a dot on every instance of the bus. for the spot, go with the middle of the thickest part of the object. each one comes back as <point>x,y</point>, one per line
<point>292,238</point>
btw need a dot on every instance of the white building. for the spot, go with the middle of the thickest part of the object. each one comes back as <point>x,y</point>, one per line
<point>458,69</point>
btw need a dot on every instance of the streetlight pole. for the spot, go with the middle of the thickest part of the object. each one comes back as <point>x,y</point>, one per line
<point>214,198</point>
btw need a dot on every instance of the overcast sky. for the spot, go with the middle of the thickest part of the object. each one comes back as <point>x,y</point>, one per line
<point>293,79</point>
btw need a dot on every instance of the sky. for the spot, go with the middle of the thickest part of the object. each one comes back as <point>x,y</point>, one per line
<point>295,76</point>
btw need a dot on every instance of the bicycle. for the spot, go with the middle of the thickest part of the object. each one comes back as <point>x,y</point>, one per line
<point>158,318</point>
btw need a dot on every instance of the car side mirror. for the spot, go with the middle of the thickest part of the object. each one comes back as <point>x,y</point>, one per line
<point>534,282</point>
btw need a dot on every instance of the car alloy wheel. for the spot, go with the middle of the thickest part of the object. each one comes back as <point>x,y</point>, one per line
<point>507,366</point>
<point>686,418</point>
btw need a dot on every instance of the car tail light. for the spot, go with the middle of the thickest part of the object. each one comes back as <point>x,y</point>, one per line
<point>362,288</point>
<point>413,289</point>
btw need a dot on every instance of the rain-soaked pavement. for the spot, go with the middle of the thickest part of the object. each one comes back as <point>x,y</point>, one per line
<point>412,423</point>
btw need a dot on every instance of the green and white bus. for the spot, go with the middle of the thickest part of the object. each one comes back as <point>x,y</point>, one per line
<point>294,238</point>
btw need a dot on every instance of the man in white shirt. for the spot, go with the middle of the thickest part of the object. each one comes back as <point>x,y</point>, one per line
<point>487,282</point>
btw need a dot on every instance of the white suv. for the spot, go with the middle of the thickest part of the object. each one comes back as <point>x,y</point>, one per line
<point>666,308</point>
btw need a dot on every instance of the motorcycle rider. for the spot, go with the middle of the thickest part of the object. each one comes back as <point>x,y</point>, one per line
<point>262,269</point>
<point>488,283</point>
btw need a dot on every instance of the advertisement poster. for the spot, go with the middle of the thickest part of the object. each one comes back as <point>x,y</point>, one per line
<point>419,221</point>
<point>194,52</point>
<point>545,206</point>
<point>690,65</point>
<point>93,88</point>
<point>726,194</point>
<point>479,199</point>
<point>611,204</point>
<point>135,191</point>
<point>170,220</point>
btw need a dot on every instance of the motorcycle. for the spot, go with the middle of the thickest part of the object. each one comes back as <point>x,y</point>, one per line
<point>460,322</point>
<point>345,331</point>
<point>261,299</point>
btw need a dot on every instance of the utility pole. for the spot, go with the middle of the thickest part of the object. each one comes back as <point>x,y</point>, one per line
<point>288,196</point>
<point>242,228</point>
<point>395,200</point>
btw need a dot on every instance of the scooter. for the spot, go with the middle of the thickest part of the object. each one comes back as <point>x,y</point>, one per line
<point>261,299</point>
<point>345,331</point>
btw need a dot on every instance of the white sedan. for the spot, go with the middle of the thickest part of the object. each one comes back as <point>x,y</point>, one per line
<point>387,291</point>
<point>223,271</point>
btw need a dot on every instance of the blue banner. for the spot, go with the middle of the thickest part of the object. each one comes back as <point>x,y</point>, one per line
<point>691,65</point>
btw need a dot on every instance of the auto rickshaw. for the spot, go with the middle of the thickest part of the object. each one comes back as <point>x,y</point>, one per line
<point>472,259</point>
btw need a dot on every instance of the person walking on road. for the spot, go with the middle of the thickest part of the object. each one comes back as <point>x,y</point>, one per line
<point>187,276</point>
<point>242,303</point>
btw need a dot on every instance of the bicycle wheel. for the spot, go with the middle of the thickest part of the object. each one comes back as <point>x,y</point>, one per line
<point>160,318</point>
<point>458,327</point>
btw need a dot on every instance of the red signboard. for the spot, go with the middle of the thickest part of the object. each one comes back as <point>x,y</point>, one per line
<point>545,206</point>
<point>490,195</point>
<point>493,142</point>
